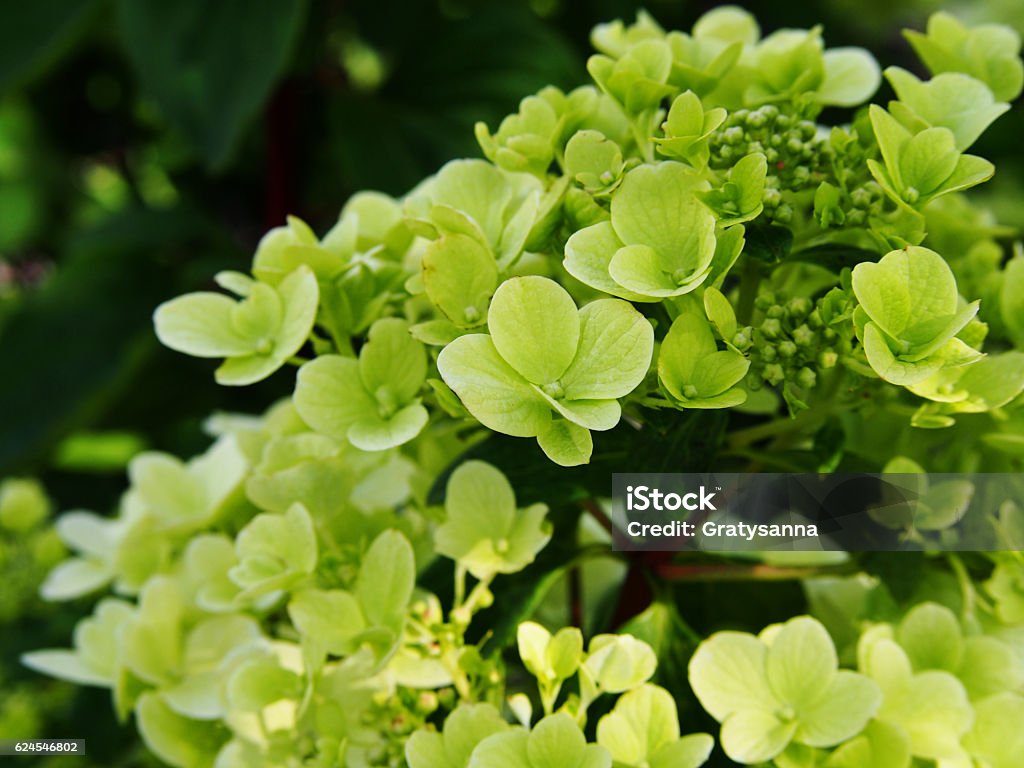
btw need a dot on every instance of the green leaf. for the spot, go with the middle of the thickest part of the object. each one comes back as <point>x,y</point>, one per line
<point>386,580</point>
<point>614,352</point>
<point>494,392</point>
<point>209,77</point>
<point>535,327</point>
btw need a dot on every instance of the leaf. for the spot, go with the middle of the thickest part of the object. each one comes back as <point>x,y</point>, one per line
<point>209,75</point>
<point>35,36</point>
<point>535,328</point>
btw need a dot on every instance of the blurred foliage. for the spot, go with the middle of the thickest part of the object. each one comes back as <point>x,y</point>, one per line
<point>145,145</point>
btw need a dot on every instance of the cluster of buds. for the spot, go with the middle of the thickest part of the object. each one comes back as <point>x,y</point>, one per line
<point>795,339</point>
<point>797,155</point>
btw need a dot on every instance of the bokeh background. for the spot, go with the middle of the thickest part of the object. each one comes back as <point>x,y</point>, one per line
<point>147,144</point>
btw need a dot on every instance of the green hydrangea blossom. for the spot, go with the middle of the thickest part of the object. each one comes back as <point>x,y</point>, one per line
<point>643,730</point>
<point>782,686</point>
<point>921,165</point>
<point>555,742</point>
<point>256,335</point>
<point>989,52</point>
<point>692,370</point>
<point>548,370</point>
<point>659,243</point>
<point>372,401</point>
<point>484,531</point>
<point>910,314</point>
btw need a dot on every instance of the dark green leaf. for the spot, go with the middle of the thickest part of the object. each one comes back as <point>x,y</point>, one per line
<point>35,34</point>
<point>209,66</point>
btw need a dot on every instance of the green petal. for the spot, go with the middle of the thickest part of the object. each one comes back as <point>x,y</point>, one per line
<point>200,324</point>
<point>330,618</point>
<point>175,739</point>
<point>644,720</point>
<point>728,675</point>
<point>502,750</point>
<point>689,340</point>
<point>496,395</point>
<point>851,77</point>
<point>719,372</point>
<point>688,752</point>
<point>600,415</point>
<point>258,316</point>
<point>535,327</point>
<point>841,711</point>
<point>330,396</point>
<point>614,354</point>
<point>392,361</point>
<point>885,364</point>
<point>587,256</point>
<point>375,433</point>
<point>753,736</point>
<point>460,277</point>
<point>565,443</point>
<point>299,293</point>
<point>801,662</point>
<point>931,636</point>
<point>655,206</point>
<point>386,581</point>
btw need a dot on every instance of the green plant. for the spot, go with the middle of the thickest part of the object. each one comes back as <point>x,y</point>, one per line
<point>677,267</point>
